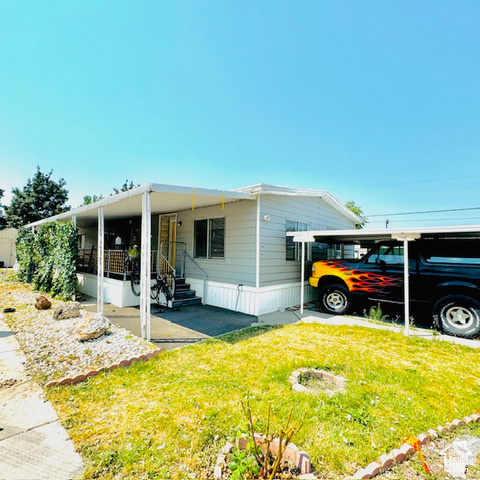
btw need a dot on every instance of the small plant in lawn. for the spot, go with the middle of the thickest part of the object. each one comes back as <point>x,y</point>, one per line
<point>254,461</point>
<point>243,463</point>
<point>376,314</point>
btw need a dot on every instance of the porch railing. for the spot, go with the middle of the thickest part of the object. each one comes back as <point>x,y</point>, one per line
<point>113,260</point>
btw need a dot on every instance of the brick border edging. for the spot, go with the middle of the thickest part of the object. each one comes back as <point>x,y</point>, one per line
<point>406,450</point>
<point>337,381</point>
<point>93,373</point>
<point>292,452</point>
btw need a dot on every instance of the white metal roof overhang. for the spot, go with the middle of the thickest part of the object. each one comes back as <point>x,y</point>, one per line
<point>365,236</point>
<point>369,236</point>
<point>164,199</point>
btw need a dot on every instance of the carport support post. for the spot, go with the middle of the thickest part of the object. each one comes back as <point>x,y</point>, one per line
<point>406,286</point>
<point>145,265</point>
<point>302,286</point>
<point>302,237</point>
<point>406,237</point>
<point>100,254</point>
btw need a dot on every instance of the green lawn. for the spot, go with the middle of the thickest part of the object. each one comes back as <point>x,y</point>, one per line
<point>169,417</point>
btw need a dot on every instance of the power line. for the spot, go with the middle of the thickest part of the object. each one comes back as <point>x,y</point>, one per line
<point>426,211</point>
<point>429,220</point>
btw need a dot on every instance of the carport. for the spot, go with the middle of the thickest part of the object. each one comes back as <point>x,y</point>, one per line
<point>369,237</point>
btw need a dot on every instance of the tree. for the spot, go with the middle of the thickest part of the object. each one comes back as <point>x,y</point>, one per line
<point>40,198</point>
<point>358,212</point>
<point>88,199</point>
<point>125,187</point>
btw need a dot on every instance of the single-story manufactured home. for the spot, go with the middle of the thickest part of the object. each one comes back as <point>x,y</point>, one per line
<point>229,247</point>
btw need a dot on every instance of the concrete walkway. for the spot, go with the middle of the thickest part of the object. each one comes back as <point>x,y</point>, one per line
<point>312,316</point>
<point>33,443</point>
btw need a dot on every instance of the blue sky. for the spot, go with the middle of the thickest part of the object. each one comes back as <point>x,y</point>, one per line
<point>377,102</point>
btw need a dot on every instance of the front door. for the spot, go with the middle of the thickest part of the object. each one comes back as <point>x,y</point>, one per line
<point>167,236</point>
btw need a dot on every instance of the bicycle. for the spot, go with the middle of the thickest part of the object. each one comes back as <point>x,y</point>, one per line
<point>165,284</point>
<point>134,273</point>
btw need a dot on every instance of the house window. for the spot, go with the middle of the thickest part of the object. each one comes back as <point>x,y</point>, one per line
<point>293,249</point>
<point>209,241</point>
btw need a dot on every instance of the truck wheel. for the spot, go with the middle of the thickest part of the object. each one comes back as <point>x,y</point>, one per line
<point>458,315</point>
<point>334,299</point>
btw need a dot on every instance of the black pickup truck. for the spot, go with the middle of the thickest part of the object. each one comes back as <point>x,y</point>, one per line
<point>444,274</point>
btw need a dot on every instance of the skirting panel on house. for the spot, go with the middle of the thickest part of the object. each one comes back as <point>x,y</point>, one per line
<point>116,292</point>
<point>250,300</point>
<point>232,297</point>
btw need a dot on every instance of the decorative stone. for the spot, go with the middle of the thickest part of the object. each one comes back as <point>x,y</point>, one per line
<point>361,474</point>
<point>79,378</point>
<point>385,462</point>
<point>397,456</point>
<point>457,422</point>
<point>92,373</point>
<point>407,449</point>
<point>67,310</point>
<point>337,382</point>
<point>372,469</point>
<point>424,439</point>
<point>217,472</point>
<point>303,462</point>
<point>432,434</point>
<point>43,303</point>
<point>227,448</point>
<point>475,417</point>
<point>298,388</point>
<point>467,420</point>
<point>92,326</point>
<point>65,381</point>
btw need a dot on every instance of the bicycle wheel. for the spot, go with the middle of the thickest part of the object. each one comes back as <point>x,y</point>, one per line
<point>154,290</point>
<point>171,286</point>
<point>135,279</point>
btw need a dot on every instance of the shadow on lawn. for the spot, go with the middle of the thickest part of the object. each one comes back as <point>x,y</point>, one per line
<point>244,334</point>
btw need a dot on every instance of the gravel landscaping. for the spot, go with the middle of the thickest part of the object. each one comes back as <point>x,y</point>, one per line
<point>51,346</point>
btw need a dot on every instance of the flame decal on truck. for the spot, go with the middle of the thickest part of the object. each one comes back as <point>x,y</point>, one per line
<point>357,280</point>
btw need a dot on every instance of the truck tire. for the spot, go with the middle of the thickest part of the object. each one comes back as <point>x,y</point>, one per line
<point>458,315</point>
<point>334,299</point>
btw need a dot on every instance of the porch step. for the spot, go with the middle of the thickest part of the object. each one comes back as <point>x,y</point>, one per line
<point>184,295</point>
<point>184,302</point>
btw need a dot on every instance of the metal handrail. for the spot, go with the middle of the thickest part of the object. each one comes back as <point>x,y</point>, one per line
<point>204,297</point>
<point>167,267</point>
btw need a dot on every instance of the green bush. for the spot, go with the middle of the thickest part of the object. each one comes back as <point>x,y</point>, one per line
<point>52,250</point>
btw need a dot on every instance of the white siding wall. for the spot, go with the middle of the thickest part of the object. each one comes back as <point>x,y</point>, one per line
<point>238,266</point>
<point>274,269</point>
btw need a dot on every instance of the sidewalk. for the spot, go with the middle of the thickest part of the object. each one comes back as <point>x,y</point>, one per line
<point>33,443</point>
<point>312,316</point>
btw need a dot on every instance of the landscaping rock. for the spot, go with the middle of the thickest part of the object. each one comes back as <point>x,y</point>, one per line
<point>42,303</point>
<point>93,325</point>
<point>67,310</point>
